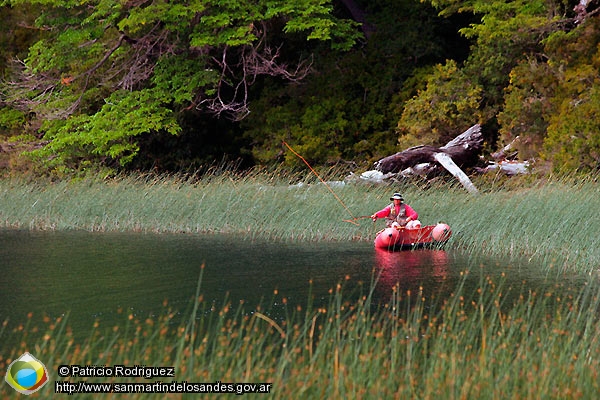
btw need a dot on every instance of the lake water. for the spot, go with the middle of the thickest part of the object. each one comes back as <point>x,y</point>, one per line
<point>90,276</point>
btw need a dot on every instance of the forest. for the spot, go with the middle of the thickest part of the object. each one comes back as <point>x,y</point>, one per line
<point>173,86</point>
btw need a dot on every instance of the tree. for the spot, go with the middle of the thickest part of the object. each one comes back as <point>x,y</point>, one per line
<point>16,36</point>
<point>450,103</point>
<point>527,105</point>
<point>108,71</point>
<point>347,110</point>
<point>573,135</point>
<point>536,63</point>
<point>552,101</point>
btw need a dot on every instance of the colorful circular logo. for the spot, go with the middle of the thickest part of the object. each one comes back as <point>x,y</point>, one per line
<point>26,374</point>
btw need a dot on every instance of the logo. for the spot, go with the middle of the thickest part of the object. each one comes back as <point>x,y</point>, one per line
<point>26,374</point>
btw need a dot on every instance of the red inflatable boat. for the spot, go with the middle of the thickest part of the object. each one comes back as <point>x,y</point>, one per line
<point>404,238</point>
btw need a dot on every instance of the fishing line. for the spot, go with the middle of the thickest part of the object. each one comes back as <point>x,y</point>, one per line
<point>325,183</point>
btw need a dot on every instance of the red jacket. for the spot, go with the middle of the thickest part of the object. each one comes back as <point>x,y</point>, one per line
<point>409,212</point>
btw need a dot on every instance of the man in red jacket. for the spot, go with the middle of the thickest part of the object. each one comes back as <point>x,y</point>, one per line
<point>398,214</point>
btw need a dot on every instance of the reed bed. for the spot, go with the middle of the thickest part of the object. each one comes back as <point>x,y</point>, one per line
<point>216,204</point>
<point>553,222</point>
<point>470,345</point>
<point>480,344</point>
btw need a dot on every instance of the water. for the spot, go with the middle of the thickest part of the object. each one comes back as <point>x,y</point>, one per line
<point>96,276</point>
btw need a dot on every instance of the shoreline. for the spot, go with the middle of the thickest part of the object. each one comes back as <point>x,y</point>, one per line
<point>543,223</point>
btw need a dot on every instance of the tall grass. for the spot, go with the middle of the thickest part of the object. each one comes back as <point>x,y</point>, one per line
<point>554,222</point>
<point>264,205</point>
<point>470,345</point>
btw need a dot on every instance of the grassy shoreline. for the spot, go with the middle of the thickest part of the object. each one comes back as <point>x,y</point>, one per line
<point>553,222</point>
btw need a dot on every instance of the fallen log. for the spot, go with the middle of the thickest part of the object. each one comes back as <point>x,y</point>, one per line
<point>461,152</point>
<point>507,152</point>
<point>446,162</point>
<point>505,161</point>
<point>510,168</point>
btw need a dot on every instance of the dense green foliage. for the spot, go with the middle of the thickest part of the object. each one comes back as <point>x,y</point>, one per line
<point>105,72</point>
<point>348,109</point>
<point>449,104</point>
<point>538,64</point>
<point>173,85</point>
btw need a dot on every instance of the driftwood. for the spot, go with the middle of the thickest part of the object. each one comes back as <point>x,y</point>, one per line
<point>504,160</point>
<point>446,162</point>
<point>461,152</point>
<point>508,152</point>
<point>507,167</point>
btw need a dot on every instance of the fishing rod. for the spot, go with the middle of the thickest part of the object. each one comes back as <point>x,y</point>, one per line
<point>356,218</point>
<point>353,220</point>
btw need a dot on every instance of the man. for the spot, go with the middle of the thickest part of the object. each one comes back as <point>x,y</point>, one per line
<point>398,214</point>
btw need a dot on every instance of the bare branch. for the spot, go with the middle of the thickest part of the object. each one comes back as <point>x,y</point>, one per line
<point>239,69</point>
<point>260,59</point>
<point>42,84</point>
<point>103,60</point>
<point>265,63</point>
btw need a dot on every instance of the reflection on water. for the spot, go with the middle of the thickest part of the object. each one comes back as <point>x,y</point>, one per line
<point>411,270</point>
<point>91,275</point>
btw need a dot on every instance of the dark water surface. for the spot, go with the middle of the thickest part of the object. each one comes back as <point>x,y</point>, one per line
<point>90,276</point>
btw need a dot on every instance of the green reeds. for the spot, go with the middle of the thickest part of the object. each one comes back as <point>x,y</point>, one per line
<point>552,222</point>
<point>213,204</point>
<point>481,345</point>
